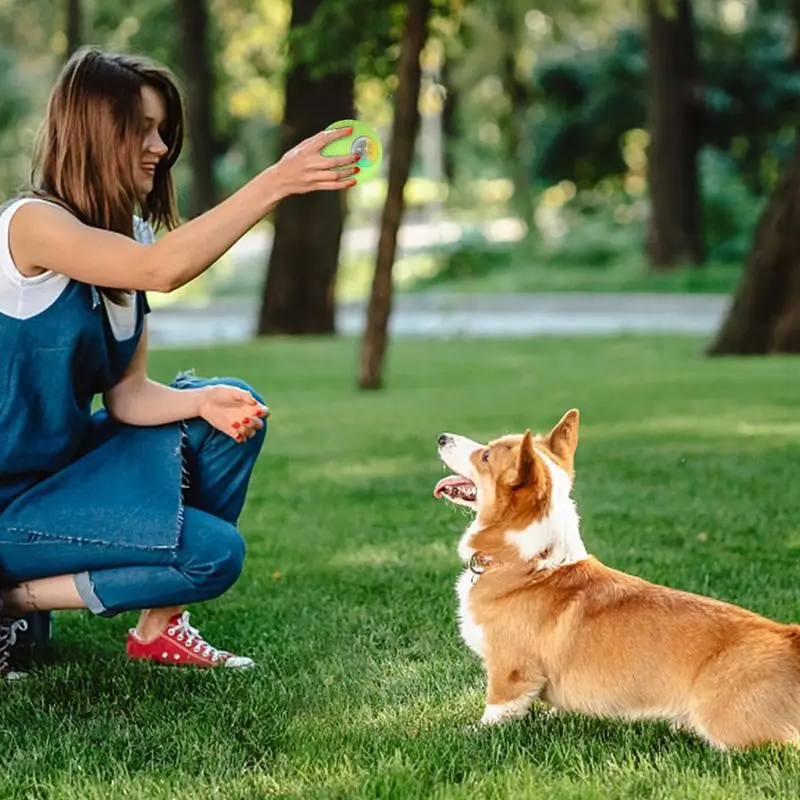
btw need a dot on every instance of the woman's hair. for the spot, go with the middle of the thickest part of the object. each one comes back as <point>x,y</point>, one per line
<point>91,140</point>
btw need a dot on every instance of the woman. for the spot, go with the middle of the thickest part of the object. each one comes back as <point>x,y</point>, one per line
<point>135,506</point>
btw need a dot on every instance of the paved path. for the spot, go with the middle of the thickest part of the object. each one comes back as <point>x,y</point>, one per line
<point>447,315</point>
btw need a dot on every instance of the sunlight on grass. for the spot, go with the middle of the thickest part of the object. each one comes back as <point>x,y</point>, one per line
<point>717,426</point>
<point>793,541</point>
<point>367,469</point>
<point>366,556</point>
<point>434,554</point>
<point>777,430</point>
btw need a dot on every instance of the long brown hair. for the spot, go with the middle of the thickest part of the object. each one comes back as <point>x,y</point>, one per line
<point>92,137</point>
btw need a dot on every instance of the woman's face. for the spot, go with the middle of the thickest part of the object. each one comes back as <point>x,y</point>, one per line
<point>154,114</point>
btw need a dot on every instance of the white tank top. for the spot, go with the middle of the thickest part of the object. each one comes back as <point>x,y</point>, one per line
<point>24,297</point>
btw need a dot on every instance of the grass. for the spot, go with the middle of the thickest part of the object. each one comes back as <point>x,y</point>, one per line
<point>687,471</point>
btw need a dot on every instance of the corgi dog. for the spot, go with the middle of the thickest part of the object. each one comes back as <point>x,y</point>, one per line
<point>551,622</point>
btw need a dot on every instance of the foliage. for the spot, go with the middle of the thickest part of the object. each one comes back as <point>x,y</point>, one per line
<point>751,93</point>
<point>731,208</point>
<point>593,97</point>
<point>591,240</point>
<point>13,107</point>
<point>568,76</point>
<point>750,88</point>
<point>357,36</point>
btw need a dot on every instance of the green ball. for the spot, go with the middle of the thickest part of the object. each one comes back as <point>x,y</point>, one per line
<point>364,140</point>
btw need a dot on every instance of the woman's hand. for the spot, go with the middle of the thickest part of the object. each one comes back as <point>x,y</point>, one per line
<point>304,169</point>
<point>233,411</point>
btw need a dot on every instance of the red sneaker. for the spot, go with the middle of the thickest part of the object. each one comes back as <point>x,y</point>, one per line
<point>179,644</point>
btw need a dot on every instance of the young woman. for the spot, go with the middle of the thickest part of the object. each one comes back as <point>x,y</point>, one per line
<point>136,505</point>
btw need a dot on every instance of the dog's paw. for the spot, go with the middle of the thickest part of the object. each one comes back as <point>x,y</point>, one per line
<point>495,715</point>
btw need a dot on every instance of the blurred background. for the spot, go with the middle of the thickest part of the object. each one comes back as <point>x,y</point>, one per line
<point>565,165</point>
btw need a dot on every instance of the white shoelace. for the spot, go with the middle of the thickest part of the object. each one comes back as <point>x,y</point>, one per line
<point>8,638</point>
<point>184,632</point>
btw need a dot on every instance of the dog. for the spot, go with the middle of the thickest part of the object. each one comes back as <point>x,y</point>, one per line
<point>551,622</point>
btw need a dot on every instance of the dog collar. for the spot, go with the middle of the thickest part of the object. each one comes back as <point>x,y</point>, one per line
<point>479,563</point>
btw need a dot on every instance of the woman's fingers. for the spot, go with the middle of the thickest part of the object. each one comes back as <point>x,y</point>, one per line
<point>314,144</point>
<point>331,135</point>
<point>332,178</point>
<point>332,162</point>
<point>336,185</point>
<point>249,425</point>
<point>247,421</point>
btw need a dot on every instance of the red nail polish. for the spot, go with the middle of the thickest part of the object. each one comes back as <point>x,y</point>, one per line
<point>246,420</point>
<point>357,169</point>
<point>235,424</point>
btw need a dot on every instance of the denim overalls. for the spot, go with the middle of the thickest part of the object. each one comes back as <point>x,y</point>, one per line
<point>142,516</point>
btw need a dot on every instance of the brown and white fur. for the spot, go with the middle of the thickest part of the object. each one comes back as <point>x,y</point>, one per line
<point>551,622</point>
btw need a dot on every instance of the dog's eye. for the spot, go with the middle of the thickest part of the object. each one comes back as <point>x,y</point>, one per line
<point>485,455</point>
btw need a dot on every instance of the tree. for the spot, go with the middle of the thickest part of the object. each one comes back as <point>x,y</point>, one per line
<point>404,132</point>
<point>198,74</point>
<point>299,292</point>
<point>765,314</point>
<point>520,156</point>
<point>449,121</point>
<point>675,231</point>
<point>74,25</point>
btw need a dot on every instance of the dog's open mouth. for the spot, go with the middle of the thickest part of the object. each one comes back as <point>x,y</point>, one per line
<point>455,488</point>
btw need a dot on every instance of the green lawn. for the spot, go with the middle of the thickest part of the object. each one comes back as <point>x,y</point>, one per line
<point>687,474</point>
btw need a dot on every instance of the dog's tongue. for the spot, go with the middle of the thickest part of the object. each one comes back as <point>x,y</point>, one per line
<point>450,480</point>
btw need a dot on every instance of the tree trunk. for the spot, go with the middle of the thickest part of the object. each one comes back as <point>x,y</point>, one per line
<point>765,314</point>
<point>520,147</point>
<point>199,78</point>
<point>74,25</point>
<point>675,235</point>
<point>449,123</point>
<point>404,132</point>
<point>300,290</point>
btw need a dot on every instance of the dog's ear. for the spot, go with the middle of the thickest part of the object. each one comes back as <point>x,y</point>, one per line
<point>526,462</point>
<point>563,439</point>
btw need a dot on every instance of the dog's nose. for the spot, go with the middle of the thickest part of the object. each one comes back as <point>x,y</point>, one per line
<point>443,439</point>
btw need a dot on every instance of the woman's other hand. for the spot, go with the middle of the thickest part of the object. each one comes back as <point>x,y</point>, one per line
<point>232,411</point>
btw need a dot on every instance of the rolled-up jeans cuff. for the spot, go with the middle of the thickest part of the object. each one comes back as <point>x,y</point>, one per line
<point>85,587</point>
